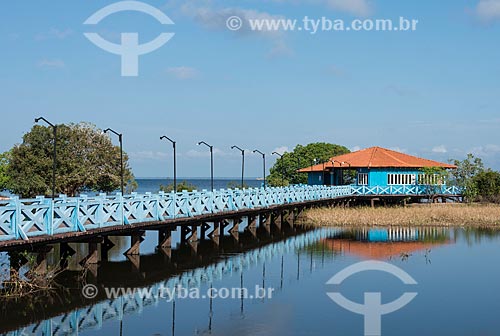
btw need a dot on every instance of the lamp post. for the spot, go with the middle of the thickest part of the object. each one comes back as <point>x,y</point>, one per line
<point>342,163</point>
<point>164,137</point>
<point>54,154</point>
<point>242,164</point>
<point>264,165</point>
<point>333,170</point>
<point>120,138</point>
<point>282,170</point>
<point>211,162</point>
<point>298,168</point>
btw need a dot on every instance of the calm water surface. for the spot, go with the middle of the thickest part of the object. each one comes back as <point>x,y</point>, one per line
<point>457,271</point>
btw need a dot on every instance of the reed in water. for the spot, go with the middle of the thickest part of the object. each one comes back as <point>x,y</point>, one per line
<point>470,215</point>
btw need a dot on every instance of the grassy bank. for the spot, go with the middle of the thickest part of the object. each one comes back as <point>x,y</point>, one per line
<point>475,215</point>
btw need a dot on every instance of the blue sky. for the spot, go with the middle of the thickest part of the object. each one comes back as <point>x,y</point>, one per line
<point>432,92</point>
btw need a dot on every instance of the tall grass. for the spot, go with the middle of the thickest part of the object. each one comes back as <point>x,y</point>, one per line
<point>475,215</point>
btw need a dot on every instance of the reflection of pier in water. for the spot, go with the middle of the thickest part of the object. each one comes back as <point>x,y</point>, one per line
<point>183,267</point>
<point>387,243</point>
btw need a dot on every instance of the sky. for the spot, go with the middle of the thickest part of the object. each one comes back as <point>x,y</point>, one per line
<point>432,92</point>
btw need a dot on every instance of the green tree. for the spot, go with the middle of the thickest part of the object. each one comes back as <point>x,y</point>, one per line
<point>86,160</point>
<point>434,178</point>
<point>284,171</point>
<point>4,163</point>
<point>181,186</point>
<point>464,175</point>
<point>487,184</point>
<point>236,184</point>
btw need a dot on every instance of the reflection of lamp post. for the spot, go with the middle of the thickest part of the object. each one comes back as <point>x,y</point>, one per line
<point>120,138</point>
<point>54,155</point>
<point>164,137</point>
<point>264,165</point>
<point>211,162</point>
<point>282,170</point>
<point>242,164</point>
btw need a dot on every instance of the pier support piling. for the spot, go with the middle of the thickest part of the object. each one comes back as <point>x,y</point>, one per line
<point>136,238</point>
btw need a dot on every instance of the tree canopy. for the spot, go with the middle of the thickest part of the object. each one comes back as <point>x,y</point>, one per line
<point>464,175</point>
<point>86,160</point>
<point>284,171</point>
<point>4,178</point>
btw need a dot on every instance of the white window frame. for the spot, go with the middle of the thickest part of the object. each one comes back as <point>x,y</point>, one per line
<point>362,178</point>
<point>401,179</point>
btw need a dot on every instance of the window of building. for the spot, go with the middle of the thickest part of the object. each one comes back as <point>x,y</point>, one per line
<point>430,179</point>
<point>401,179</point>
<point>362,179</point>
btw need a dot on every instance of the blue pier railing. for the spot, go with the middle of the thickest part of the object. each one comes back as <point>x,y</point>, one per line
<point>25,218</point>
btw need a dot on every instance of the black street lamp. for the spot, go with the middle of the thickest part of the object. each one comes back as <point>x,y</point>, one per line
<point>333,170</point>
<point>164,137</point>
<point>264,165</point>
<point>211,162</point>
<point>341,164</point>
<point>242,164</point>
<point>282,170</point>
<point>54,155</point>
<point>344,162</point>
<point>120,138</point>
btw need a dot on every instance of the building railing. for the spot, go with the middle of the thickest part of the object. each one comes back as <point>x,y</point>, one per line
<point>24,218</point>
<point>406,190</point>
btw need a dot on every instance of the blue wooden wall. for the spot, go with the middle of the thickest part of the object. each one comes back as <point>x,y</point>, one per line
<point>376,176</point>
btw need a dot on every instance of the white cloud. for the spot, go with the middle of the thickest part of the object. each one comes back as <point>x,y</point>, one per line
<point>280,48</point>
<point>355,7</point>
<point>355,149</point>
<point>486,150</point>
<point>399,149</point>
<point>212,17</point>
<point>281,150</point>
<point>183,72</point>
<point>215,18</point>
<point>192,153</point>
<point>51,64</point>
<point>440,149</point>
<point>488,10</point>
<point>54,33</point>
<point>401,91</point>
<point>148,155</point>
<point>336,71</point>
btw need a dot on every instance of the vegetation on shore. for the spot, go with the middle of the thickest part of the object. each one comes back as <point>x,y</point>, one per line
<point>86,160</point>
<point>454,214</point>
<point>284,171</point>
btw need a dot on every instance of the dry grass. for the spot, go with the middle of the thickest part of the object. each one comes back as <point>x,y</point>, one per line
<point>475,215</point>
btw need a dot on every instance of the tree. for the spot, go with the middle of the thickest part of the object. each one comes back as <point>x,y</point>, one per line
<point>86,160</point>
<point>464,175</point>
<point>487,184</point>
<point>433,178</point>
<point>4,163</point>
<point>184,185</point>
<point>284,171</point>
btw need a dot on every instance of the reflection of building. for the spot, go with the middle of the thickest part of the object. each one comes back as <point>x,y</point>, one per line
<point>386,243</point>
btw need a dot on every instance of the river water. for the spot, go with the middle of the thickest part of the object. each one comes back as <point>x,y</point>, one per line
<point>456,271</point>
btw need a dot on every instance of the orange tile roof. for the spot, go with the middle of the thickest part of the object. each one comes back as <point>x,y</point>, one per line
<point>376,157</point>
